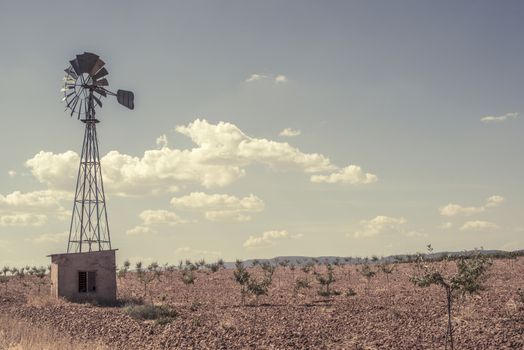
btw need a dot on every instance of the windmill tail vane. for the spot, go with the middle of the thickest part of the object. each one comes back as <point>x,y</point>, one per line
<point>85,85</point>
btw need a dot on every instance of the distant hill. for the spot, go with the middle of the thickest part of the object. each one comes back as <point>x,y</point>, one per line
<point>302,260</point>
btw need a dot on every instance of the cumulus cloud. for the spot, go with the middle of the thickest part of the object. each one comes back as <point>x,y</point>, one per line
<point>478,226</point>
<point>32,208</point>
<point>22,219</point>
<point>351,174</point>
<point>11,173</point>
<point>269,238</point>
<point>500,118</point>
<point>221,206</point>
<point>380,224</point>
<point>197,254</point>
<point>453,209</point>
<point>160,217</point>
<point>140,230</point>
<point>288,132</point>
<point>221,154</point>
<point>58,171</point>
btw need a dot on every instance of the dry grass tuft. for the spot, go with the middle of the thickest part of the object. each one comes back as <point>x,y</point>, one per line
<point>18,335</point>
<point>44,300</point>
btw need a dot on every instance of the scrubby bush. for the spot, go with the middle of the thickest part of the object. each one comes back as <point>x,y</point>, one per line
<point>160,313</point>
<point>300,284</point>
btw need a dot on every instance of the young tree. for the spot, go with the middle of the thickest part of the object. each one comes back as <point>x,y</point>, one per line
<point>300,283</point>
<point>325,281</point>
<point>242,278</point>
<point>367,272</point>
<point>387,269</point>
<point>40,273</point>
<point>122,272</point>
<point>471,272</point>
<point>188,278</point>
<point>5,270</point>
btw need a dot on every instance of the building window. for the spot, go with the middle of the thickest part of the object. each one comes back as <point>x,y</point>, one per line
<point>86,281</point>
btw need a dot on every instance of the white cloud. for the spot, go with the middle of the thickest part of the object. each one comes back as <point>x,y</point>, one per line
<point>219,158</point>
<point>478,226</point>
<point>33,208</point>
<point>281,78</point>
<point>140,230</point>
<point>58,171</point>
<point>453,209</point>
<point>22,219</point>
<point>161,141</point>
<point>380,224</point>
<point>255,77</point>
<point>221,206</point>
<point>499,119</point>
<point>160,217</point>
<point>351,174</point>
<point>197,254</point>
<point>11,173</point>
<point>288,132</point>
<point>269,238</point>
<point>49,238</point>
<point>494,201</point>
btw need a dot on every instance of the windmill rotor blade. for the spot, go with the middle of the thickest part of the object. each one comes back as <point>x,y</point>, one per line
<point>97,100</point>
<point>98,65</point>
<point>86,61</point>
<point>72,101</point>
<point>75,66</point>
<point>73,107</point>
<point>79,111</point>
<point>70,72</point>
<point>126,98</point>
<point>100,91</point>
<point>102,82</point>
<point>69,95</point>
<point>101,73</point>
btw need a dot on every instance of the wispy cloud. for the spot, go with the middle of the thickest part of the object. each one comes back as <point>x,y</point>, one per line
<point>478,225</point>
<point>49,238</point>
<point>352,174</point>
<point>288,132</point>
<point>276,78</point>
<point>453,209</point>
<point>500,118</point>
<point>269,238</point>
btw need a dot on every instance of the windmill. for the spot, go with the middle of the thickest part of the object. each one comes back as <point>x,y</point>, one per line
<point>88,269</point>
<point>85,85</point>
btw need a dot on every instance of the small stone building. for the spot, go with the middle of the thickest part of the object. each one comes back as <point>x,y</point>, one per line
<point>84,276</point>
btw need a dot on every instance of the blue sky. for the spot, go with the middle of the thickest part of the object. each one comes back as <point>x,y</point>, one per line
<point>397,89</point>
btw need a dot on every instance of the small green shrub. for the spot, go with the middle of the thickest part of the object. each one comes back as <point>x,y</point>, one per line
<point>161,313</point>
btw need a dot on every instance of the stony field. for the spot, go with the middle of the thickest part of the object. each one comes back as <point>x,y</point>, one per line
<point>389,312</point>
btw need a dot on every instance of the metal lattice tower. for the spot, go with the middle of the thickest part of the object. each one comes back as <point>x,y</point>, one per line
<point>84,80</point>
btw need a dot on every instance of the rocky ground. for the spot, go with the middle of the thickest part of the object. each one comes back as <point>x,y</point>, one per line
<point>390,313</point>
